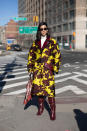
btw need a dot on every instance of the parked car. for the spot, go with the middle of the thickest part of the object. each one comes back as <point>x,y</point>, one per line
<point>16,47</point>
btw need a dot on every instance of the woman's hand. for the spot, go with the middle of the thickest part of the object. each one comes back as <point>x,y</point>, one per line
<point>30,75</point>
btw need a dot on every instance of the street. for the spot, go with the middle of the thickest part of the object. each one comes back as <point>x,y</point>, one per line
<point>71,94</point>
<point>70,82</point>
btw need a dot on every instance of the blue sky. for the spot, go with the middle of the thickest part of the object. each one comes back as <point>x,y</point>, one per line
<point>8,9</point>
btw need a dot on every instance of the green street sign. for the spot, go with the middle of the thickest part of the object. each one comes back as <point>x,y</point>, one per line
<point>27,29</point>
<point>20,18</point>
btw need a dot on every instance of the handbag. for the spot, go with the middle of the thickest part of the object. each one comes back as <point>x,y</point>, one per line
<point>28,92</point>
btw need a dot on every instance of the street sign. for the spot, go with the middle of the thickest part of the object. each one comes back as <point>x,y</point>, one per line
<point>10,41</point>
<point>20,18</point>
<point>27,29</point>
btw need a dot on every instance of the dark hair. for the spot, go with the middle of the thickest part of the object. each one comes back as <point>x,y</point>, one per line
<point>38,35</point>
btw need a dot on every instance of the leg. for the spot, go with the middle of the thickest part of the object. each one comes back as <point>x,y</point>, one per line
<point>51,101</point>
<point>41,105</point>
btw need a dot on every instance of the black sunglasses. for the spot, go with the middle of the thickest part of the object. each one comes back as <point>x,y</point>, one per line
<point>41,29</point>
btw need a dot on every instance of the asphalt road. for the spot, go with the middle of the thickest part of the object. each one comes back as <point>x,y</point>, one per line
<point>70,82</point>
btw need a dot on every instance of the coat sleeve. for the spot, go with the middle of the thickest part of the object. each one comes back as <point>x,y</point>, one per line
<point>56,57</point>
<point>30,64</point>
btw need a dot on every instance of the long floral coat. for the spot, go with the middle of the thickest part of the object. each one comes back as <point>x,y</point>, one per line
<point>44,62</point>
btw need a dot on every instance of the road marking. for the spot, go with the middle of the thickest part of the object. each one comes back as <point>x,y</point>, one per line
<point>16,92</point>
<point>63,74</point>
<point>84,70</point>
<point>14,85</point>
<point>80,74</point>
<point>15,78</point>
<point>13,67</point>
<point>80,81</point>
<point>73,88</point>
<point>65,79</point>
<point>18,73</point>
<point>68,65</point>
<point>77,62</point>
<point>13,70</point>
<point>85,65</point>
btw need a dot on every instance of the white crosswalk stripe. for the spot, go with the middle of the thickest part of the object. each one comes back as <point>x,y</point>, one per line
<point>16,85</point>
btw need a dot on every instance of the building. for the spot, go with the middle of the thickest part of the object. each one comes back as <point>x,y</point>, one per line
<point>11,31</point>
<point>67,20</point>
<point>34,10</point>
<point>2,35</point>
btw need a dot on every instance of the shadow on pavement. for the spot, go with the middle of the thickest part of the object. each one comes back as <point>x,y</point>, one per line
<point>34,102</point>
<point>8,68</point>
<point>81,119</point>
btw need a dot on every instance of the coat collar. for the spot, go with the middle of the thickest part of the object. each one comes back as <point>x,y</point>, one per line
<point>45,43</point>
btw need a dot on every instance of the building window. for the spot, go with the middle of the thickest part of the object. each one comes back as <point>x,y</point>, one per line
<point>65,16</point>
<point>86,12</point>
<point>86,41</point>
<point>72,26</point>
<point>65,6</point>
<point>59,29</point>
<point>72,14</point>
<point>54,29</point>
<point>65,27</point>
<point>59,18</point>
<point>72,2</point>
<point>86,24</point>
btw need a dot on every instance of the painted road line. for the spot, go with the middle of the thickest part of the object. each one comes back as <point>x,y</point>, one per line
<point>16,92</point>
<point>22,77</point>
<point>13,67</point>
<point>77,62</point>
<point>80,74</point>
<point>13,70</point>
<point>72,88</point>
<point>65,79</point>
<point>18,73</point>
<point>80,81</point>
<point>15,78</point>
<point>84,70</point>
<point>14,85</point>
<point>85,65</point>
<point>63,74</point>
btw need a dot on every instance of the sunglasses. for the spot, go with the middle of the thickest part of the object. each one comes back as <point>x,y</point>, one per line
<point>41,29</point>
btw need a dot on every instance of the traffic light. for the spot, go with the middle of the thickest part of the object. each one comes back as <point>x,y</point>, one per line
<point>35,18</point>
<point>74,34</point>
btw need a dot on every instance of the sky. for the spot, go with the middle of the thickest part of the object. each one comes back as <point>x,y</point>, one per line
<point>8,10</point>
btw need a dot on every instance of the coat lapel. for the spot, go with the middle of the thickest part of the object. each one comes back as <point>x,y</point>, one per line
<point>45,43</point>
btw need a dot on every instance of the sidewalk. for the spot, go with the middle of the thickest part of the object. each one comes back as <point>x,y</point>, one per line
<point>74,50</point>
<point>13,117</point>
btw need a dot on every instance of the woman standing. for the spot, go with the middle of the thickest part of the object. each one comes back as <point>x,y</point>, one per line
<point>44,61</point>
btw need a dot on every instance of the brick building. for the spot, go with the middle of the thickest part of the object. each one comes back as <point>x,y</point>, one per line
<point>11,30</point>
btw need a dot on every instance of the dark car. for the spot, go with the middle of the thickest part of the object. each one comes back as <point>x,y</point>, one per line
<point>16,47</point>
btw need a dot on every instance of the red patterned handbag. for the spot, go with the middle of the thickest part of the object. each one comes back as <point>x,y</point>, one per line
<point>28,92</point>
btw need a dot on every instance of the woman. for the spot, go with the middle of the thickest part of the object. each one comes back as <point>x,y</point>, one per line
<point>43,61</point>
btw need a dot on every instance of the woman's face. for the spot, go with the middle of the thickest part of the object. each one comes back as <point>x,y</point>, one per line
<point>43,30</point>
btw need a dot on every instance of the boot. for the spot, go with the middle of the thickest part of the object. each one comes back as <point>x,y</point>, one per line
<point>41,105</point>
<point>52,108</point>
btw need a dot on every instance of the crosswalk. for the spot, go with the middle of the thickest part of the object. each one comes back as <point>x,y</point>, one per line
<point>14,77</point>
